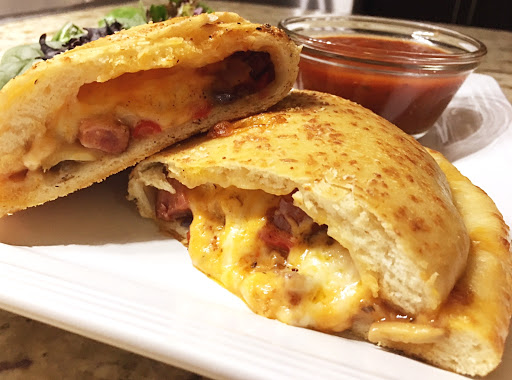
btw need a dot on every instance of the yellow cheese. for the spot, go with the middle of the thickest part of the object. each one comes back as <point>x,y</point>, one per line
<point>405,333</point>
<point>41,149</point>
<point>314,285</point>
<point>70,152</point>
<point>168,97</point>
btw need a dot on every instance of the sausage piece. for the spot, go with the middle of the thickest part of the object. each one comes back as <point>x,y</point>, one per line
<point>105,134</point>
<point>170,207</point>
<point>276,239</point>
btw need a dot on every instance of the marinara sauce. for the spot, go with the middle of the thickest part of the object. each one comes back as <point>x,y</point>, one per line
<point>411,99</point>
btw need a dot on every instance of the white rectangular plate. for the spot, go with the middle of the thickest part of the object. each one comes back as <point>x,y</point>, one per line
<point>89,264</point>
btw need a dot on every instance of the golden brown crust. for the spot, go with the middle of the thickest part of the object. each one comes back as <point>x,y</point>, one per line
<point>371,183</point>
<point>477,313</point>
<point>382,195</point>
<point>28,101</point>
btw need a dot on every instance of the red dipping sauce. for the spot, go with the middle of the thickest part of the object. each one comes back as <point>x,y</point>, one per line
<point>406,72</point>
<point>412,102</point>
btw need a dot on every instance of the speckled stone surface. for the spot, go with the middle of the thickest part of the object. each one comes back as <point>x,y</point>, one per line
<point>33,350</point>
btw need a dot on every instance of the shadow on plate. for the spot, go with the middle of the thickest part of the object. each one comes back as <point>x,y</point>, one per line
<point>98,215</point>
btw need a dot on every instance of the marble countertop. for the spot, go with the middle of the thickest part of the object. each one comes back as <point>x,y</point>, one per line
<point>33,350</point>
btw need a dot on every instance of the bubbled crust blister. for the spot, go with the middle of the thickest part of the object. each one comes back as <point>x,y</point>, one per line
<point>363,177</point>
<point>27,101</point>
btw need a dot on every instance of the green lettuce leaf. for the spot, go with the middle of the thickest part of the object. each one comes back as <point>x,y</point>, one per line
<point>17,60</point>
<point>67,32</point>
<point>158,13</point>
<point>127,16</point>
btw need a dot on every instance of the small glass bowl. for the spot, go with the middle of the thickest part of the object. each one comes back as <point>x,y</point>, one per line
<point>405,71</point>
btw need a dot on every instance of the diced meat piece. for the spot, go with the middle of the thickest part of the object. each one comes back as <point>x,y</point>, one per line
<point>105,134</point>
<point>280,222</point>
<point>261,65</point>
<point>171,207</point>
<point>275,238</point>
<point>278,232</point>
<point>286,207</point>
<point>145,128</point>
<point>286,211</point>
<point>246,72</point>
<point>278,219</point>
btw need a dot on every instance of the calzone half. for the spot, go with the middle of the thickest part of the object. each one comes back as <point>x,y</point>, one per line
<point>321,214</point>
<point>99,108</point>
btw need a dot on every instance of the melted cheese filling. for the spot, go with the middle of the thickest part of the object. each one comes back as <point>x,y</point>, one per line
<point>316,285</point>
<point>167,97</point>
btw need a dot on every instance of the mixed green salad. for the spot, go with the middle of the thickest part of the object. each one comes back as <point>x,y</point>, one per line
<point>17,60</point>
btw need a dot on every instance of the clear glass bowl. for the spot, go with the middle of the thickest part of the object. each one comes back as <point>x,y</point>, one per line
<point>405,71</point>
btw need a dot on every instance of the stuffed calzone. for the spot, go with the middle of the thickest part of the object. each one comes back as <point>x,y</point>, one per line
<point>99,108</point>
<point>321,214</point>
